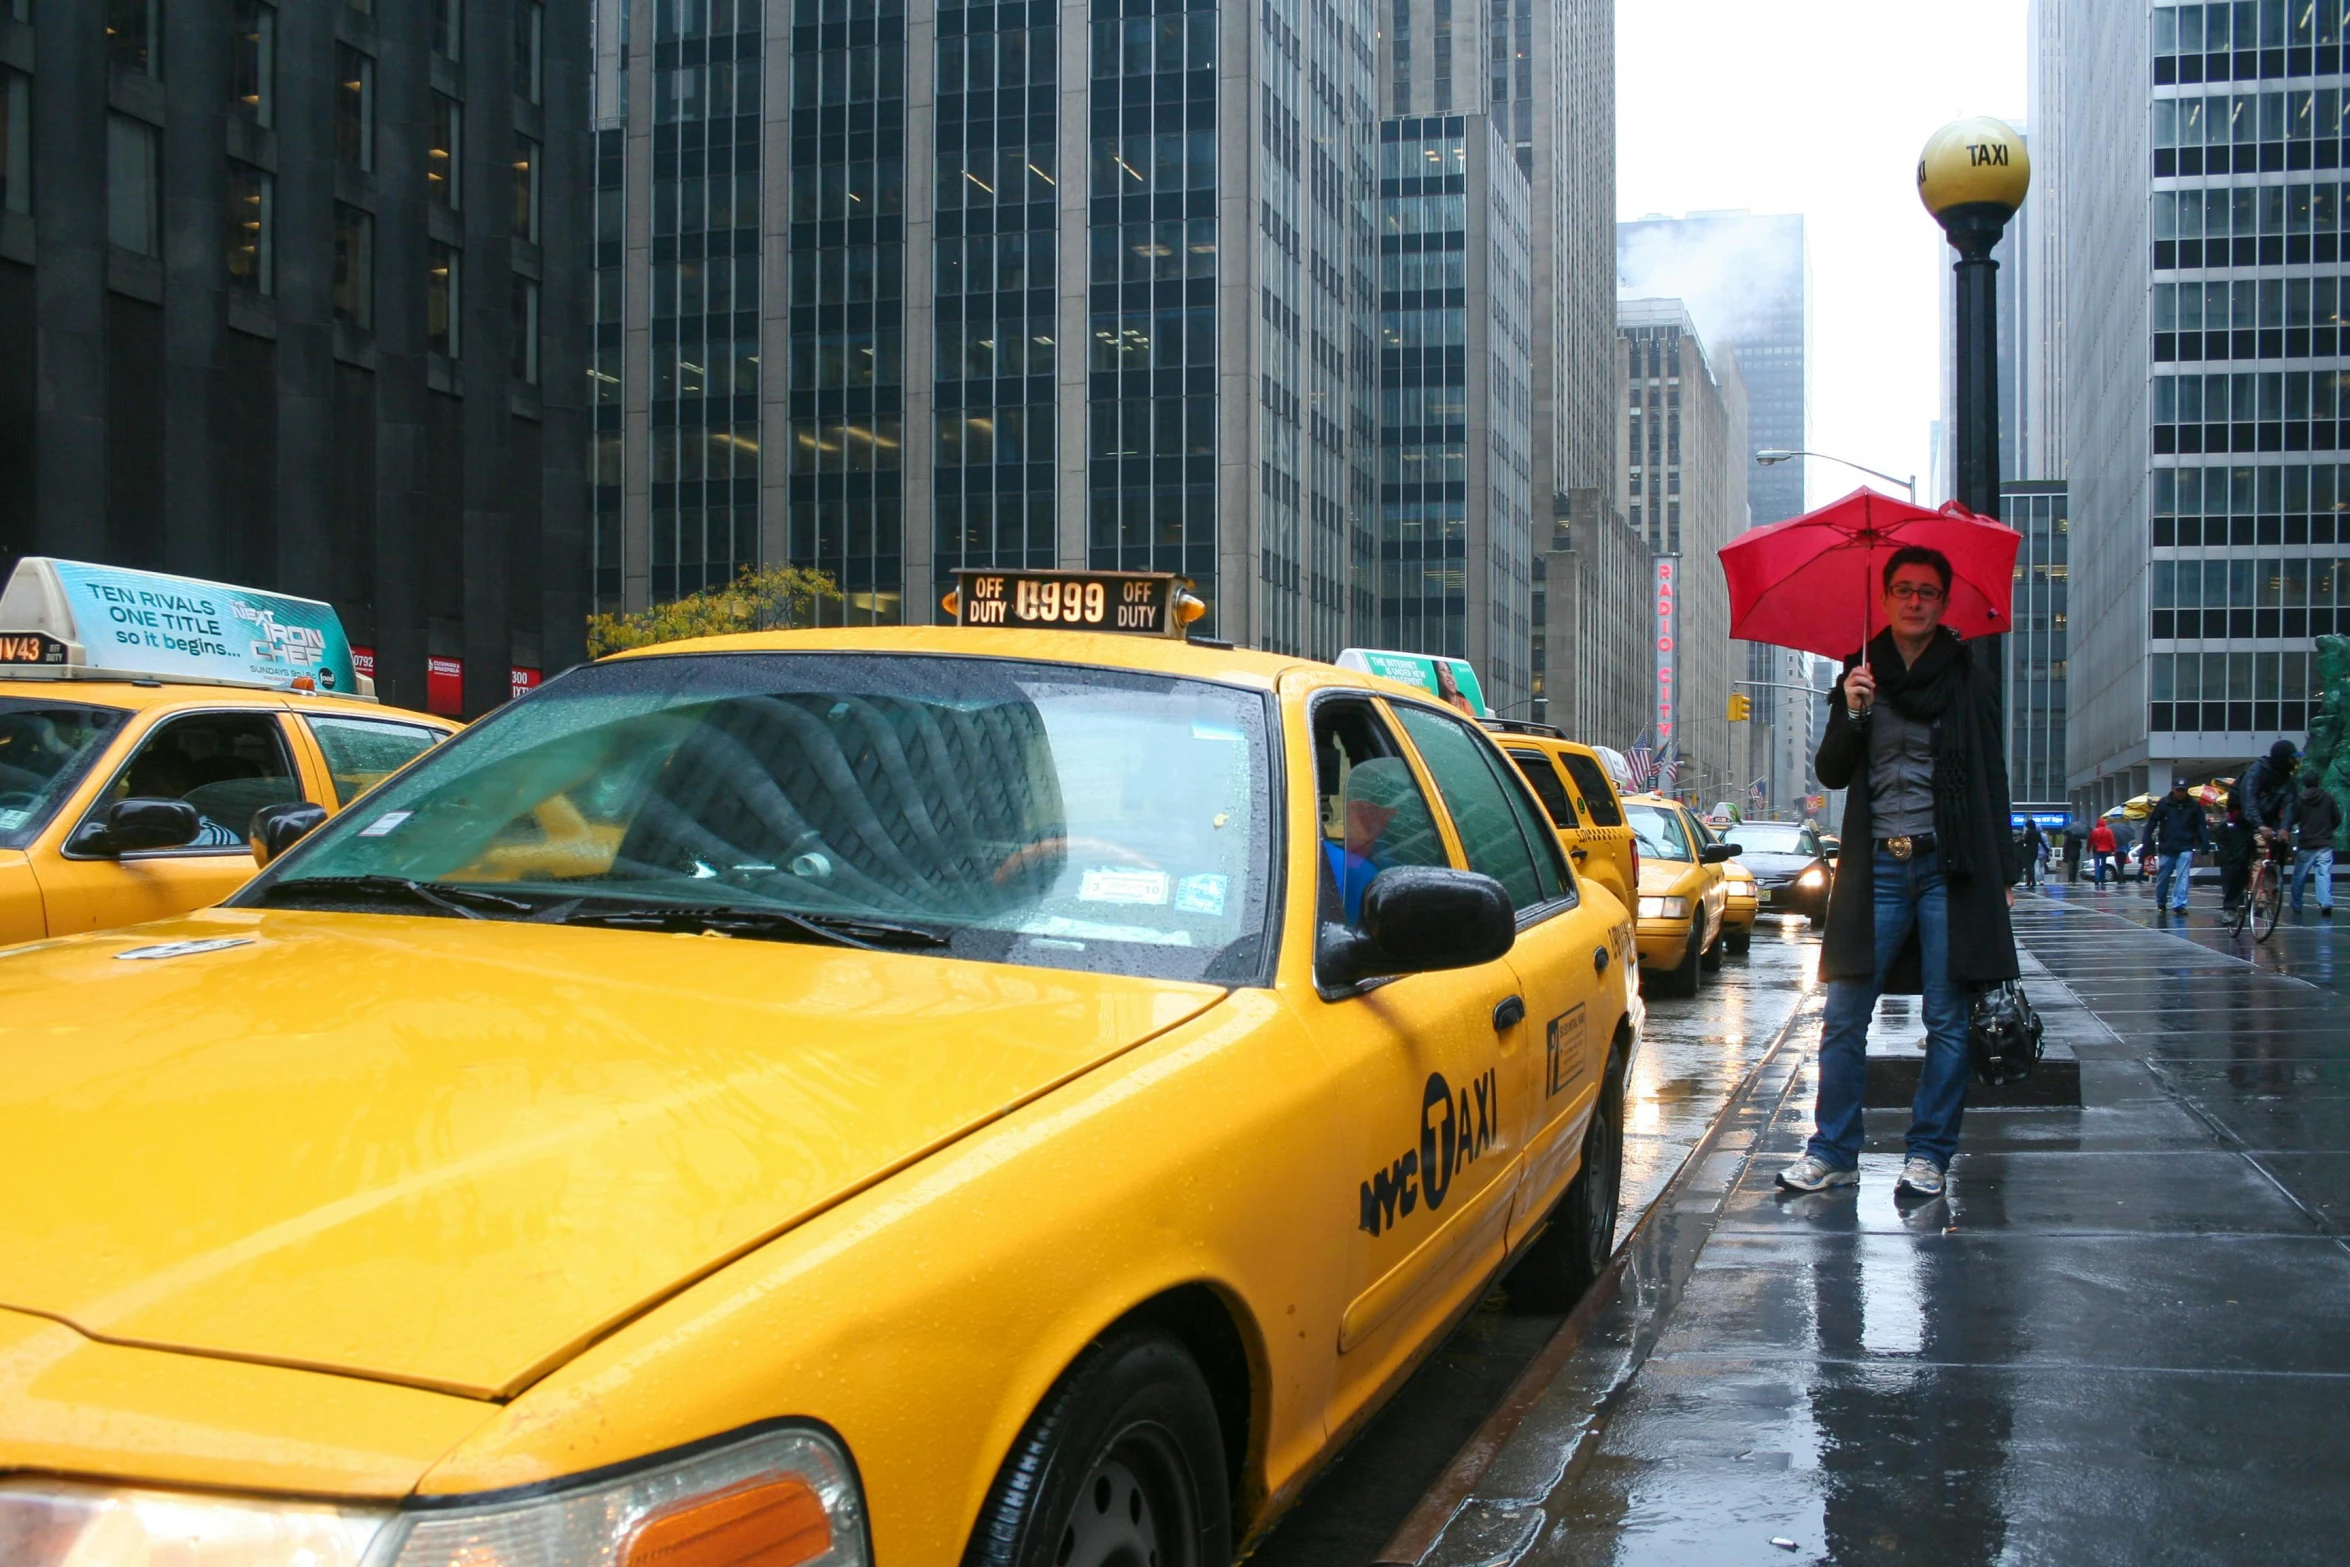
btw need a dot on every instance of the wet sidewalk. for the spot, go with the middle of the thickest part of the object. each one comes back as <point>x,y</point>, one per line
<point>2124,1336</point>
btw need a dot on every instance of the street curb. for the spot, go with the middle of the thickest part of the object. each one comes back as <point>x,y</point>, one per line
<point>1424,1527</point>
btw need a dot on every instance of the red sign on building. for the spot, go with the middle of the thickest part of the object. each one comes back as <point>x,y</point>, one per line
<point>363,661</point>
<point>524,681</point>
<point>444,686</point>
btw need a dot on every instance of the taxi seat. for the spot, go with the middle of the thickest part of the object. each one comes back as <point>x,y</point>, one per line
<point>872,802</point>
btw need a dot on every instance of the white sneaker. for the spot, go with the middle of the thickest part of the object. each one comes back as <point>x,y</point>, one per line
<point>1809,1174</point>
<point>1919,1177</point>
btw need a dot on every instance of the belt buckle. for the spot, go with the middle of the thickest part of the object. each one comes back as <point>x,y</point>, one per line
<point>1899,848</point>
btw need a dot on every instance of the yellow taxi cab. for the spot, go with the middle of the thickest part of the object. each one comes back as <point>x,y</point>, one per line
<point>1683,893</point>
<point>131,772</point>
<point>1575,789</point>
<point>1740,904</point>
<point>1004,1092</point>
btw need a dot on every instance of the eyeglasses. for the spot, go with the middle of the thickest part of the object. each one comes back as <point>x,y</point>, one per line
<point>1922,592</point>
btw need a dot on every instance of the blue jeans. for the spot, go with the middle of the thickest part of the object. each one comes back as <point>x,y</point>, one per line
<point>1909,892</point>
<point>2317,863</point>
<point>2164,869</point>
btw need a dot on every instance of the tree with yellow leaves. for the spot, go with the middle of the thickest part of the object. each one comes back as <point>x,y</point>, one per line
<point>766,598</point>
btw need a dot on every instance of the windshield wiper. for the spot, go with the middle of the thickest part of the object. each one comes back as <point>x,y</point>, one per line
<point>463,902</point>
<point>757,924</point>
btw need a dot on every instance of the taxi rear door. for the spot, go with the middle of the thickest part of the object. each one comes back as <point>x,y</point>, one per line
<point>1424,1075</point>
<point>227,762</point>
<point>1563,956</point>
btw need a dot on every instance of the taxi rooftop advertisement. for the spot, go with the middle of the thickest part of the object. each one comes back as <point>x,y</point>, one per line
<point>143,623</point>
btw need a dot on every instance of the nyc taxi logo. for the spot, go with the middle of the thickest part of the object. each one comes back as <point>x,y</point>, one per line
<point>1454,1133</point>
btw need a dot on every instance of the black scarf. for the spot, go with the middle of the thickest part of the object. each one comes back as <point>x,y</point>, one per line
<point>1924,693</point>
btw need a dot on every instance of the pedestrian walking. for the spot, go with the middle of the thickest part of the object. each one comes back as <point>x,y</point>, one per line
<point>2101,849</point>
<point>1921,899</point>
<point>2236,841</point>
<point>2076,844</point>
<point>2035,849</point>
<point>2313,849</point>
<point>2175,833</point>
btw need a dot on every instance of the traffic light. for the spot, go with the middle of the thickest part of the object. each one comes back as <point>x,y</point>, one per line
<point>1741,707</point>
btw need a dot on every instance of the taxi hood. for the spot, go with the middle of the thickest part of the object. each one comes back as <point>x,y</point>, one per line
<point>1661,876</point>
<point>450,1153</point>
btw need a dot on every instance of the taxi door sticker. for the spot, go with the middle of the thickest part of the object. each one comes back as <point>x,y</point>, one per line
<point>1564,1059</point>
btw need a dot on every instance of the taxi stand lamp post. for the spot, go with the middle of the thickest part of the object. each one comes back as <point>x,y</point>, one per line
<point>1972,177</point>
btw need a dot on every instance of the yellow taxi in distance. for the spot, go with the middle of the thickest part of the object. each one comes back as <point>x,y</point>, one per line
<point>130,776</point>
<point>1575,789</point>
<point>1739,907</point>
<point>1683,893</point>
<point>910,1095</point>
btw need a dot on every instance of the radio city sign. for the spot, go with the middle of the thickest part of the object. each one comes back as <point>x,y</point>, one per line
<point>1668,568</point>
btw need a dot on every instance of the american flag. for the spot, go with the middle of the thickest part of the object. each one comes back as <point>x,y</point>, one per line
<point>1640,761</point>
<point>1759,790</point>
<point>1668,772</point>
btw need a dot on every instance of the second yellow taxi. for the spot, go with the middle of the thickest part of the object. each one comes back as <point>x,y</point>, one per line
<point>1683,893</point>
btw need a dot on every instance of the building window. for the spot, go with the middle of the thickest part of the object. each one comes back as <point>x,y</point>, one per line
<point>16,142</point>
<point>253,60</point>
<point>526,331</point>
<point>448,28</point>
<point>526,189</point>
<point>249,201</point>
<point>134,35</point>
<point>131,159</point>
<point>440,158</point>
<point>354,107</point>
<point>354,266</point>
<point>442,299</point>
<point>530,31</point>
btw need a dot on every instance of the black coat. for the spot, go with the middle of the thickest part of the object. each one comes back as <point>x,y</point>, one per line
<point>2177,825</point>
<point>1982,943</point>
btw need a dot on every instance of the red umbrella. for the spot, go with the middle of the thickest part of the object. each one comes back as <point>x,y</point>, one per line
<point>1815,582</point>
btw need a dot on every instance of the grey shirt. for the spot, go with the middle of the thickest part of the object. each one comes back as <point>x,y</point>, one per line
<point>1901,774</point>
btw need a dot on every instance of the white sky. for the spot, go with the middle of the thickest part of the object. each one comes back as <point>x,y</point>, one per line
<point>1820,107</point>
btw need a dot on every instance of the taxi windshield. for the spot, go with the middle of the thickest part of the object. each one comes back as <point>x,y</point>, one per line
<point>1056,815</point>
<point>1659,831</point>
<point>45,747</point>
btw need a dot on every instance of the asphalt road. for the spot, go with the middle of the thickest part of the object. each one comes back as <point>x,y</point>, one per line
<point>1692,1060</point>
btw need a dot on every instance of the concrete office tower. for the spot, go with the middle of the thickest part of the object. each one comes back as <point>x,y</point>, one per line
<point>2036,662</point>
<point>287,298</point>
<point>1684,490</point>
<point>890,288</point>
<point>1746,279</point>
<point>2203,246</point>
<point>1455,510</point>
<point>1593,649</point>
<point>2044,454</point>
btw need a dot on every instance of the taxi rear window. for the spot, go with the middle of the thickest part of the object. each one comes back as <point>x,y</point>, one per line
<point>45,748</point>
<point>1056,815</point>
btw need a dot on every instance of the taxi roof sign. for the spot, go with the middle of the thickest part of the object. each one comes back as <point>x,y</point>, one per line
<point>1136,603</point>
<point>69,619</point>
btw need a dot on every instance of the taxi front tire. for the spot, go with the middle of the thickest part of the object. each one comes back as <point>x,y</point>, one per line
<point>1124,1463</point>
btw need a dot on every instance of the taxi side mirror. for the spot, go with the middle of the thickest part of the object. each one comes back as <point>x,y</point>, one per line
<point>135,824</point>
<point>1829,851</point>
<point>277,828</point>
<point>1716,853</point>
<point>1418,919</point>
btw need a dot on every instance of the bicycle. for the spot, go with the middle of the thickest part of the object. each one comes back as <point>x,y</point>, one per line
<point>2263,903</point>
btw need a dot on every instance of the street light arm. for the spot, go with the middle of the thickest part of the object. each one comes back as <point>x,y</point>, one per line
<point>1770,456</point>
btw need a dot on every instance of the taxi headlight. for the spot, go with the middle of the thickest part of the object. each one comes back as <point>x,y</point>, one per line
<point>1811,877</point>
<point>780,1499</point>
<point>1742,885</point>
<point>1664,908</point>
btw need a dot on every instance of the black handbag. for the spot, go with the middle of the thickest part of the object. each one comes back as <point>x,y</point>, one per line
<point>2003,1034</point>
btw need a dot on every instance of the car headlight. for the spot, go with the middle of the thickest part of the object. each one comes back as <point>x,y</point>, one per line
<point>1664,908</point>
<point>1812,877</point>
<point>780,1499</point>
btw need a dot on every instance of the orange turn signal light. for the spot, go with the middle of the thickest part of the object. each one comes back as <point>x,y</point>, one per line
<point>952,604</point>
<point>1189,608</point>
<point>768,1523</point>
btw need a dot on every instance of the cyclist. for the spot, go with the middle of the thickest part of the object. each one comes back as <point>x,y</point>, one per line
<point>2269,804</point>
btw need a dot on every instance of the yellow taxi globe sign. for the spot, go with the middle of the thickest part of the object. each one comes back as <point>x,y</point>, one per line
<point>1977,162</point>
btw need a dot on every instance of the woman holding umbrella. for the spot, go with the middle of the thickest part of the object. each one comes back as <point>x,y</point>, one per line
<point>1923,890</point>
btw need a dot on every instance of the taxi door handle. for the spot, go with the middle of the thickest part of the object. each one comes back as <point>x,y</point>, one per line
<point>1508,1014</point>
<point>1599,960</point>
<point>1579,854</point>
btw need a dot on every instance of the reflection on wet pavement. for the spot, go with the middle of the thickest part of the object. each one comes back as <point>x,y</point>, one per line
<point>1693,1057</point>
<point>2124,1336</point>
